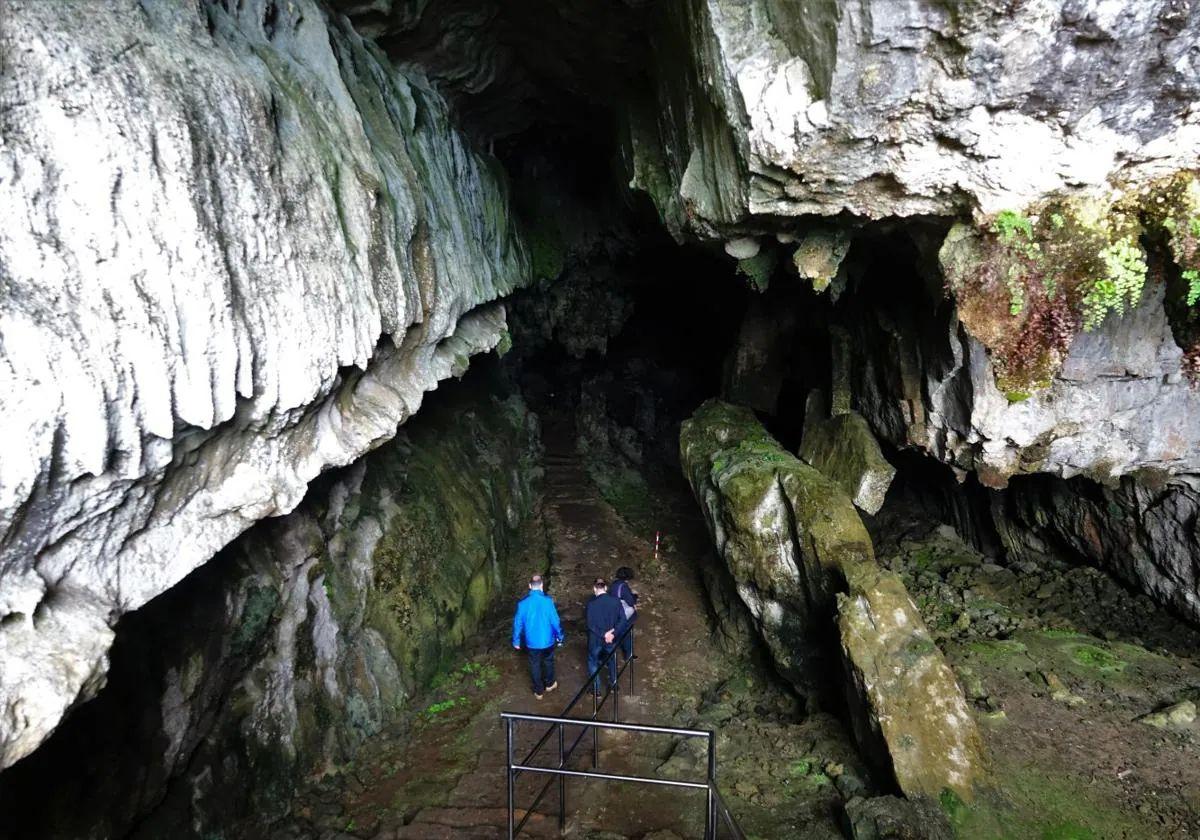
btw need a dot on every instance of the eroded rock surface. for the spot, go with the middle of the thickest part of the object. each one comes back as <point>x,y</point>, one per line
<point>798,554</point>
<point>843,448</point>
<point>238,246</point>
<point>899,109</point>
<point>302,640</point>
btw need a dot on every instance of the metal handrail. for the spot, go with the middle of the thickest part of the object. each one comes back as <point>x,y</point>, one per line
<point>716,812</point>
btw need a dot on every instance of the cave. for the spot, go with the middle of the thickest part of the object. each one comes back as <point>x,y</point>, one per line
<point>327,325</point>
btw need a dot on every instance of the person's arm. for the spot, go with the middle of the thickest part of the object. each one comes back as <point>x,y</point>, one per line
<point>518,625</point>
<point>555,624</point>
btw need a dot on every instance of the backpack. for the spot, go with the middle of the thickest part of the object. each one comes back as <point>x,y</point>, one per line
<point>627,605</point>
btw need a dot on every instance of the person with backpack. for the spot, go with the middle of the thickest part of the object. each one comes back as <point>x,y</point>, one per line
<point>605,618</point>
<point>537,628</point>
<point>628,598</point>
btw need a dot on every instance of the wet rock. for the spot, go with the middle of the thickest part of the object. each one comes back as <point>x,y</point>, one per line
<point>843,448</point>
<point>759,360</point>
<point>289,258</point>
<point>892,818</point>
<point>1176,716</point>
<point>307,638</point>
<point>798,554</point>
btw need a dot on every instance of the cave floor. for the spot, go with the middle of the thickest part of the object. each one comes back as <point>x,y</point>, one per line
<point>1061,664</point>
<point>782,773</point>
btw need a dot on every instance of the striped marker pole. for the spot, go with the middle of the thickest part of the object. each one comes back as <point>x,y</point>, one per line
<point>657,541</point>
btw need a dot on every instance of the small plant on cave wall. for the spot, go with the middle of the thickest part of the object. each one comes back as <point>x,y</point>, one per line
<point>1027,283</point>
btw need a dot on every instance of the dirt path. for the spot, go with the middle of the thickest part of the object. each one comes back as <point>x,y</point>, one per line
<point>443,777</point>
<point>447,779</point>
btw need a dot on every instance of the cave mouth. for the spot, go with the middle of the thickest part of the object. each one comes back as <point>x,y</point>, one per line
<point>623,333</point>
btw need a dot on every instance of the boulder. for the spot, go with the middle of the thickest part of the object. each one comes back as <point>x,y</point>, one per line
<point>844,448</point>
<point>800,556</point>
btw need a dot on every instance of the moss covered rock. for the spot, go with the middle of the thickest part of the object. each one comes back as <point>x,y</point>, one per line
<point>799,554</point>
<point>844,448</point>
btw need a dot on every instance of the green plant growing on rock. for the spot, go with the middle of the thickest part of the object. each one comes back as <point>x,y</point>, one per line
<point>1027,282</point>
<point>1120,288</point>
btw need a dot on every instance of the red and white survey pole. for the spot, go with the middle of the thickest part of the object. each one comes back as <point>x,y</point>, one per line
<point>657,542</point>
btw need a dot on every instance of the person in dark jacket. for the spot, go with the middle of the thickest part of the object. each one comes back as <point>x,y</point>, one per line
<point>628,598</point>
<point>537,628</point>
<point>606,622</point>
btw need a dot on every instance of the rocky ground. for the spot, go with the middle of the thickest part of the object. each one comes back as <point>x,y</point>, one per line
<point>1085,692</point>
<point>440,774</point>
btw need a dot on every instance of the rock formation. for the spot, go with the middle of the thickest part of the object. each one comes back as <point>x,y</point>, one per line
<point>300,641</point>
<point>762,113</point>
<point>795,547</point>
<point>237,247</point>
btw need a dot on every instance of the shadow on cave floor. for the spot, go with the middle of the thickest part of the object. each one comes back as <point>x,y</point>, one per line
<point>445,777</point>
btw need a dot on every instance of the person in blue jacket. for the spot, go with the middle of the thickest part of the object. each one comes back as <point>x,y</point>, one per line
<point>606,622</point>
<point>536,628</point>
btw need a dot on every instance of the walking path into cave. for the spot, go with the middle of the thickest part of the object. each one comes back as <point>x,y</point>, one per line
<point>448,781</point>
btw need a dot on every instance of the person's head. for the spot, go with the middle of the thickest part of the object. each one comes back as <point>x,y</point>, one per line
<point>599,586</point>
<point>624,573</point>
<point>535,583</point>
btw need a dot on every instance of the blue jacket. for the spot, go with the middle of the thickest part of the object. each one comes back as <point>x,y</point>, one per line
<point>537,619</point>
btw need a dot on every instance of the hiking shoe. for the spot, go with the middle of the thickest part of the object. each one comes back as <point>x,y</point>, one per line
<point>537,696</point>
<point>552,686</point>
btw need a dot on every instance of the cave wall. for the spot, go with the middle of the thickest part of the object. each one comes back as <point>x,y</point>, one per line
<point>238,246</point>
<point>761,113</point>
<point>300,640</point>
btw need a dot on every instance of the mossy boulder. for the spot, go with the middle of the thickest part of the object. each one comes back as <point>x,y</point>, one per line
<point>799,554</point>
<point>844,448</point>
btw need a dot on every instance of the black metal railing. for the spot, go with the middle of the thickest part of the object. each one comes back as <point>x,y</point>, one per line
<point>717,813</point>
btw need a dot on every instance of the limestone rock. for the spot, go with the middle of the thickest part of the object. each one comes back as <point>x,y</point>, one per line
<point>893,818</point>
<point>755,370</point>
<point>238,246</point>
<point>916,706</point>
<point>799,553</point>
<point>844,449</point>
<point>302,642</point>
<point>1176,716</point>
<point>819,255</point>
<point>903,109</point>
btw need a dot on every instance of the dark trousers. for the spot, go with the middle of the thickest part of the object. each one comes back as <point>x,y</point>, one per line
<point>541,668</point>
<point>596,651</point>
<point>627,644</point>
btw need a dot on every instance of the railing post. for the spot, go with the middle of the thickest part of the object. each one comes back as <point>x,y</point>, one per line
<point>632,657</point>
<point>711,831</point>
<point>595,729</point>
<point>562,783</point>
<point>615,691</point>
<point>508,772</point>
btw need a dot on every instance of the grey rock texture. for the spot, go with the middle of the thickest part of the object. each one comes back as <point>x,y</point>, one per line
<point>844,449</point>
<point>763,110</point>
<point>236,248</point>
<point>1120,404</point>
<point>301,640</point>
<point>800,556</point>
<point>1147,531</point>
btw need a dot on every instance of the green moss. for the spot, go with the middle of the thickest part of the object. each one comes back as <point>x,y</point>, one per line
<point>1017,396</point>
<point>1068,831</point>
<point>257,613</point>
<point>998,648</point>
<point>1028,281</point>
<point>1098,658</point>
